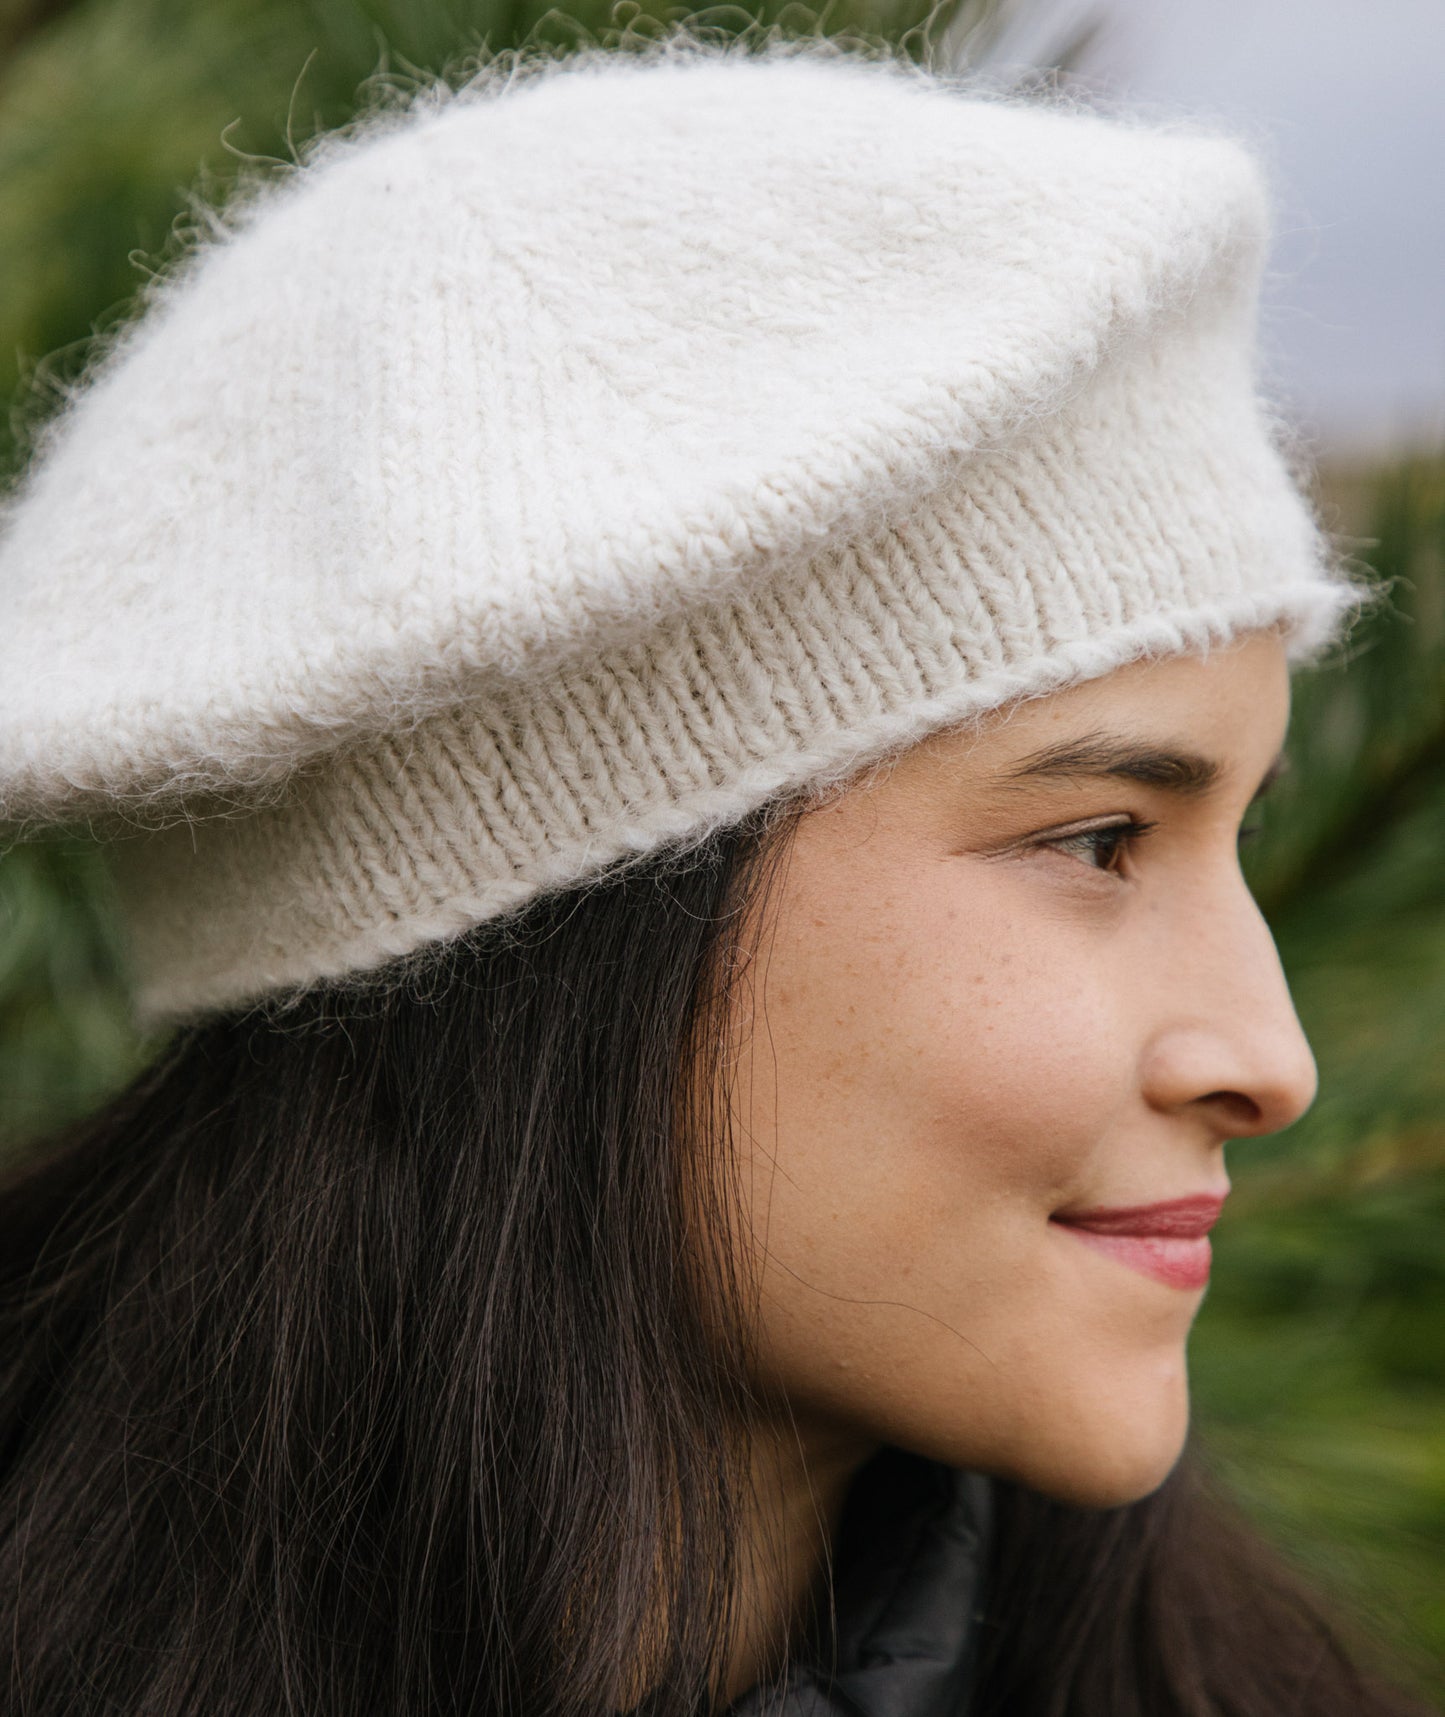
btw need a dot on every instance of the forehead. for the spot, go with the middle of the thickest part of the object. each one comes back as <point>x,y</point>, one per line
<point>1228,709</point>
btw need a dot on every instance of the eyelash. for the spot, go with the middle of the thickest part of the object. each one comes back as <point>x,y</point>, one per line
<point>1120,838</point>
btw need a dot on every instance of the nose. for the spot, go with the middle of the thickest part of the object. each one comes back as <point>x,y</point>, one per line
<point>1230,1047</point>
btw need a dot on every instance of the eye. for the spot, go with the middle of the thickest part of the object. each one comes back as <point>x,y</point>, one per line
<point>1102,846</point>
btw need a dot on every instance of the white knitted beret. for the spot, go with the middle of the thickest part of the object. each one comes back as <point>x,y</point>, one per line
<point>548,472</point>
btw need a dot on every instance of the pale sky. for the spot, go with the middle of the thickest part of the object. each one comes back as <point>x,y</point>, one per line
<point>1347,101</point>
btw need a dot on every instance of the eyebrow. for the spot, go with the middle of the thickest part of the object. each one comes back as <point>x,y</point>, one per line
<point>1097,755</point>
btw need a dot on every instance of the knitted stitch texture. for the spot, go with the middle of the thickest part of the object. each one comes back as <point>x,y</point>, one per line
<point>564,467</point>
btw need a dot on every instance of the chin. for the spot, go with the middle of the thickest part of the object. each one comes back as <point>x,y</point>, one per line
<point>1107,1460</point>
<point>1114,1480</point>
<point>1081,1448</point>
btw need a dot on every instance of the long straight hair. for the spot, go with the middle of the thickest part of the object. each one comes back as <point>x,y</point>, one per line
<point>353,1364</point>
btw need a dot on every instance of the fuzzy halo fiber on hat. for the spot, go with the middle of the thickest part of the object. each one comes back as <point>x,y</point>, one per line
<point>547,472</point>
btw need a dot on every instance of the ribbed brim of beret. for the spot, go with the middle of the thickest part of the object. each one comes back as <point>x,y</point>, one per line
<point>562,467</point>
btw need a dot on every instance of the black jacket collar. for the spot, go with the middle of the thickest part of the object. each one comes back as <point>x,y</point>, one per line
<point>908,1581</point>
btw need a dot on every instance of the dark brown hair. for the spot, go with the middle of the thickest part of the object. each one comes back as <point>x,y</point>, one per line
<point>349,1367</point>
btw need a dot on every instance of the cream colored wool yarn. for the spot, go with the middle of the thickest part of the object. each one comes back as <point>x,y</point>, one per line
<point>554,470</point>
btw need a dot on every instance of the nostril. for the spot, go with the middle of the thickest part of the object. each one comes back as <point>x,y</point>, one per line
<point>1242,1113</point>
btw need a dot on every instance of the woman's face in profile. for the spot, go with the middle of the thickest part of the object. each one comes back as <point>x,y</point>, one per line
<point>1016,979</point>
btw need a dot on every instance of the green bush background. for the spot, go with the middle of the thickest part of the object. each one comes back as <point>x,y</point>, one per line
<point>1319,1358</point>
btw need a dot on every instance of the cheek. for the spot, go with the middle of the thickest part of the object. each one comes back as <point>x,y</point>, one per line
<point>911,1058</point>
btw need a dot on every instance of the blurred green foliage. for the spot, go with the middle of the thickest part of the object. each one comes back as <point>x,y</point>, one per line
<point>66,1041</point>
<point>1319,1359</point>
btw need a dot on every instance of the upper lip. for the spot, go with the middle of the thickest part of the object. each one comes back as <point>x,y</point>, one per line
<point>1188,1218</point>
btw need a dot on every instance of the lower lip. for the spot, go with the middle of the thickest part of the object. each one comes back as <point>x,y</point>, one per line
<point>1175,1262</point>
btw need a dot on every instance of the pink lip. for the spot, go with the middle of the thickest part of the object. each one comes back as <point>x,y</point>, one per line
<point>1167,1241</point>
